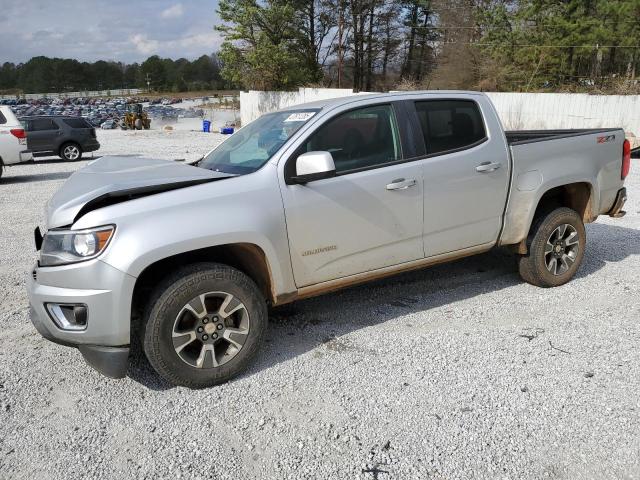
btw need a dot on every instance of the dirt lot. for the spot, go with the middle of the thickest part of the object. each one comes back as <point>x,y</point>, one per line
<point>458,371</point>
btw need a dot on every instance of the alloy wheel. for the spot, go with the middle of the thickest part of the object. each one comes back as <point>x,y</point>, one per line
<point>71,152</point>
<point>210,330</point>
<point>561,249</point>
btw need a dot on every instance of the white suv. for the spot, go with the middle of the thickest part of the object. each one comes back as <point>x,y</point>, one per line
<point>13,139</point>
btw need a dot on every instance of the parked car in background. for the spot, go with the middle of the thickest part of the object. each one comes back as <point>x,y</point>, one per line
<point>301,202</point>
<point>13,140</point>
<point>109,125</point>
<point>67,137</point>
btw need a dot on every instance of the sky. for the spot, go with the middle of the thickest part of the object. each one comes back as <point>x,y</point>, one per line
<point>120,30</point>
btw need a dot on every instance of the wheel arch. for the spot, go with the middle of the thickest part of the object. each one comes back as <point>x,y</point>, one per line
<point>578,196</point>
<point>249,258</point>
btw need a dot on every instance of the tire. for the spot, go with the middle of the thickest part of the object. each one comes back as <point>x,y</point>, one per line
<point>207,353</point>
<point>71,152</point>
<point>558,235</point>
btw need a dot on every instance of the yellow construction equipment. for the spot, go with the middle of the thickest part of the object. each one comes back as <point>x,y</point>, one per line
<point>135,118</point>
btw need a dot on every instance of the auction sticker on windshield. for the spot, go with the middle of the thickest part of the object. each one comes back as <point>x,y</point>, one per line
<point>299,117</point>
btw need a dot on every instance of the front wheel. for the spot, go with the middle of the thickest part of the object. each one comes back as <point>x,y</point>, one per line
<point>557,243</point>
<point>204,325</point>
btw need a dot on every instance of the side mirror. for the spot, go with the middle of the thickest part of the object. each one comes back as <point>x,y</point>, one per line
<point>312,166</point>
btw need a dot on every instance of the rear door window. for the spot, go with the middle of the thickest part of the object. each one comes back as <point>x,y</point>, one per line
<point>448,125</point>
<point>76,122</point>
<point>41,124</point>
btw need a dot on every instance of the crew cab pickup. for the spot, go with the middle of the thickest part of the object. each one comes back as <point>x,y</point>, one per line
<point>301,202</point>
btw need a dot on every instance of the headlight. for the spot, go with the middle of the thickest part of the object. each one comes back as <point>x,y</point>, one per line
<point>60,247</point>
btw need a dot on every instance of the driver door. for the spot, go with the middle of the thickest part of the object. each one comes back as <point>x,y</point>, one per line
<point>370,215</point>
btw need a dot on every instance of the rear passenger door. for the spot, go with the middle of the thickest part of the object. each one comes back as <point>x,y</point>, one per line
<point>41,134</point>
<point>466,175</point>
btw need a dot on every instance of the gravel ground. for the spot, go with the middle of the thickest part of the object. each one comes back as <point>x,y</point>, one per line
<point>458,371</point>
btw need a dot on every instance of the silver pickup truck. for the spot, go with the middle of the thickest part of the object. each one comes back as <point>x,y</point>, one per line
<point>301,202</point>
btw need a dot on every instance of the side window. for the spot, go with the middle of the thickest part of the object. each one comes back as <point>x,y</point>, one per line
<point>3,120</point>
<point>76,122</point>
<point>449,124</point>
<point>39,124</point>
<point>361,138</point>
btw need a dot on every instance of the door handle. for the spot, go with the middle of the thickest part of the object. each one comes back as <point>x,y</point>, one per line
<point>486,167</point>
<point>401,184</point>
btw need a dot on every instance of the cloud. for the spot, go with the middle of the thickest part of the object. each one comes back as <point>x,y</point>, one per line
<point>143,44</point>
<point>174,11</point>
<point>121,30</point>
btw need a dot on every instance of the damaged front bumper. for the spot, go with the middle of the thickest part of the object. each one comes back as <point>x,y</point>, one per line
<point>66,310</point>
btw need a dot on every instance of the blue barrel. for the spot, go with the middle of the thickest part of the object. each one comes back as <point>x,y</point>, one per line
<point>206,126</point>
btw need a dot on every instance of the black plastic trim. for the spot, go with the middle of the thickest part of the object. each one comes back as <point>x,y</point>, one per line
<point>109,361</point>
<point>303,179</point>
<point>37,238</point>
<point>621,198</point>
<point>534,136</point>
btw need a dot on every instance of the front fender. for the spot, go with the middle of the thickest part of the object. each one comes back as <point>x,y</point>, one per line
<point>246,209</point>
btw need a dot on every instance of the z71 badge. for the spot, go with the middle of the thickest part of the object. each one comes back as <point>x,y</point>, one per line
<point>608,138</point>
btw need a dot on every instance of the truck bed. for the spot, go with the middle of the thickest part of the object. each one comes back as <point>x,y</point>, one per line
<point>521,137</point>
<point>545,159</point>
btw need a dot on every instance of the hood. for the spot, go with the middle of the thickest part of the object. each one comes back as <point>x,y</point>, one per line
<point>111,180</point>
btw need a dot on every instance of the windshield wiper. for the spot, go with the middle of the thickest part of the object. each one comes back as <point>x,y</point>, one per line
<point>196,163</point>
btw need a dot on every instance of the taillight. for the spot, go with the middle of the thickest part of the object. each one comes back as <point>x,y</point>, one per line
<point>18,133</point>
<point>626,159</point>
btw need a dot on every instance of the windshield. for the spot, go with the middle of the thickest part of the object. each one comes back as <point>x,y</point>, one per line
<point>252,146</point>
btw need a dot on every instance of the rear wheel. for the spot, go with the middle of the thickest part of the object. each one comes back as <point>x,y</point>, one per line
<point>70,152</point>
<point>556,247</point>
<point>204,325</point>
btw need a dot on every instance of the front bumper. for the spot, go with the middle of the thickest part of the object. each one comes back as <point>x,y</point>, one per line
<point>105,341</point>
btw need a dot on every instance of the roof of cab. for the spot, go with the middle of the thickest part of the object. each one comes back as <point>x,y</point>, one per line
<point>339,101</point>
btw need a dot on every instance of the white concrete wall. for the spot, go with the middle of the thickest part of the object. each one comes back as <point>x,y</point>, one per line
<point>255,103</point>
<point>518,111</point>
<point>521,111</point>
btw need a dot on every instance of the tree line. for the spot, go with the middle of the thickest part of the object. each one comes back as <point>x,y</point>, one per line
<point>43,74</point>
<point>377,45</point>
<point>569,45</point>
